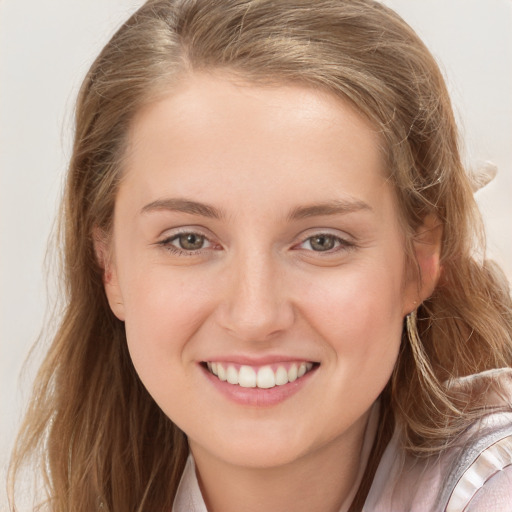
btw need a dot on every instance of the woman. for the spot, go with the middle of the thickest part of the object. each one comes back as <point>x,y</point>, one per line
<point>274,298</point>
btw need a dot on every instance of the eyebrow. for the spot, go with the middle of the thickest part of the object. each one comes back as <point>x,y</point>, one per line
<point>184,206</point>
<point>336,207</point>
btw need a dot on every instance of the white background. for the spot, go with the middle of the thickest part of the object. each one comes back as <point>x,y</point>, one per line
<point>45,50</point>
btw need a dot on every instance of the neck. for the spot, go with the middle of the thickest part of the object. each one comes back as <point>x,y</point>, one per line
<point>325,479</point>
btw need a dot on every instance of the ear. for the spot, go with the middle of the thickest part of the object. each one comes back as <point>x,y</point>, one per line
<point>105,259</point>
<point>427,251</point>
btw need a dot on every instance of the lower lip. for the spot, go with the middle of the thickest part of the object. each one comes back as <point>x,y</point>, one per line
<point>258,397</point>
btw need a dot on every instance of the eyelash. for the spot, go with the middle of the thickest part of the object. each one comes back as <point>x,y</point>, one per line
<point>166,243</point>
<point>341,244</point>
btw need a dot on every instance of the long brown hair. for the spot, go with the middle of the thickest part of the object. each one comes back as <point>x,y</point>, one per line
<point>101,441</point>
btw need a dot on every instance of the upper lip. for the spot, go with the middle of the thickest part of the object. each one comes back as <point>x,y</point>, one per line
<point>258,361</point>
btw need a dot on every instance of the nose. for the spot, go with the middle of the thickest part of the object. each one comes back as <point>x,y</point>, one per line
<point>256,306</point>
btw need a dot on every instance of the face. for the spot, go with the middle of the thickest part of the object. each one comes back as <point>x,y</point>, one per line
<point>256,240</point>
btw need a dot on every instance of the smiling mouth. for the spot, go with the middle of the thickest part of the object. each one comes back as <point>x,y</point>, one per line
<point>263,377</point>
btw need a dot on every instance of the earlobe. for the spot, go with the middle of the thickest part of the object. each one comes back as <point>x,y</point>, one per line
<point>105,260</point>
<point>427,249</point>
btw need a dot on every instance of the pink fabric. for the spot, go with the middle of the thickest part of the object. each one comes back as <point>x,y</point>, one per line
<point>496,495</point>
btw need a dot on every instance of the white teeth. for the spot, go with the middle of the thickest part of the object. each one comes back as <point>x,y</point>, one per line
<point>221,373</point>
<point>232,375</point>
<point>247,377</point>
<point>264,377</point>
<point>281,376</point>
<point>292,373</point>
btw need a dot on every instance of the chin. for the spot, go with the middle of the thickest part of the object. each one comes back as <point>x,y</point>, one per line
<point>269,449</point>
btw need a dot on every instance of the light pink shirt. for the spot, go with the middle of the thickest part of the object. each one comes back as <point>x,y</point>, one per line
<point>475,475</point>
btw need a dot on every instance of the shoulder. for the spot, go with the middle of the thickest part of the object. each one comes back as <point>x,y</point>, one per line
<point>481,479</point>
<point>481,475</point>
<point>495,494</point>
<point>475,474</point>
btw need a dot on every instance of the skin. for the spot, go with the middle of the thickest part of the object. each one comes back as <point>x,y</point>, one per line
<point>257,287</point>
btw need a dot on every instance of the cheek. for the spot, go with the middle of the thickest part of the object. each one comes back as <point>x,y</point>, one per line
<point>363,298</point>
<point>359,314</point>
<point>163,310</point>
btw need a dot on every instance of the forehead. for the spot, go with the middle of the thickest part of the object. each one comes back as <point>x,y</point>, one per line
<point>212,132</point>
<point>201,100</point>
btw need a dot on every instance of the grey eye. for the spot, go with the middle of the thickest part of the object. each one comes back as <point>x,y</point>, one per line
<point>322,242</point>
<point>190,241</point>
